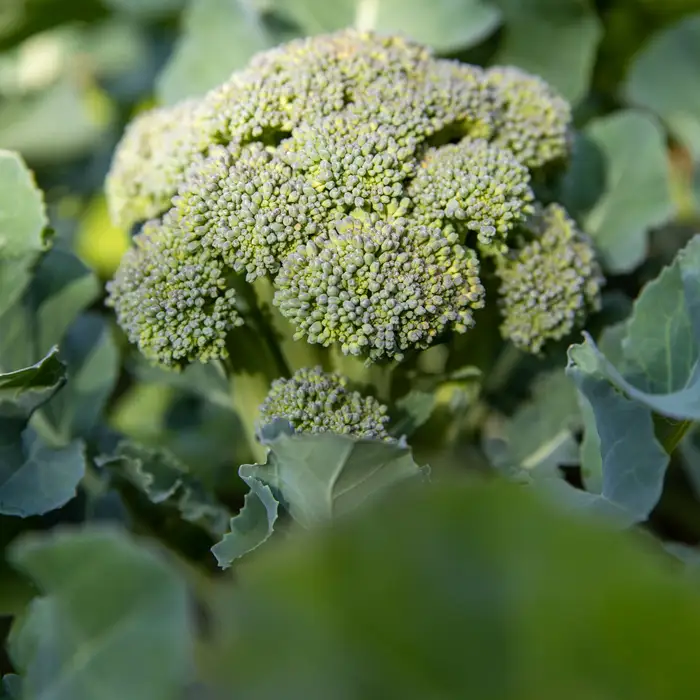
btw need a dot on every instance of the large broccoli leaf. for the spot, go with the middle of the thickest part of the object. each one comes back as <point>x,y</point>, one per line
<point>655,371</point>
<point>113,622</point>
<point>660,367</point>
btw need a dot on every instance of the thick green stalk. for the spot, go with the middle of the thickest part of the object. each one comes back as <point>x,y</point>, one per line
<point>255,360</point>
<point>297,353</point>
<point>250,368</point>
<point>375,376</point>
<point>670,433</point>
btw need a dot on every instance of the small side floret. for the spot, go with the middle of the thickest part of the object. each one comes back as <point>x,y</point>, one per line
<point>317,402</point>
<point>172,298</point>
<point>549,287</point>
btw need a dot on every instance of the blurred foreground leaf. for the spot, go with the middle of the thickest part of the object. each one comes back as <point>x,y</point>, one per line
<point>113,621</point>
<point>458,591</point>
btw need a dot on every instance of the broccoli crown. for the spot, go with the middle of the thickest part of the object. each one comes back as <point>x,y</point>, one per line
<point>316,402</point>
<point>551,284</point>
<point>360,173</point>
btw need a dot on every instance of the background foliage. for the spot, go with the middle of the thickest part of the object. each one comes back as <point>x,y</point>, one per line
<point>117,479</point>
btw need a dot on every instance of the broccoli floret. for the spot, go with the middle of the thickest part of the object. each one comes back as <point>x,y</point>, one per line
<point>353,165</point>
<point>531,120</point>
<point>249,208</point>
<point>550,285</point>
<point>151,159</point>
<point>379,289</point>
<point>362,176</point>
<point>473,186</point>
<point>172,298</point>
<point>316,402</point>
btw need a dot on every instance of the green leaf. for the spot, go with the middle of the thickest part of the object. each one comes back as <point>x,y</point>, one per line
<point>34,477</point>
<point>164,479</point>
<point>632,462</point>
<point>319,17</point>
<point>661,348</point>
<point>62,122</point>
<point>318,477</point>
<point>412,410</point>
<point>60,289</point>
<point>590,454</point>
<point>92,362</point>
<point>253,525</point>
<point>22,391</point>
<point>444,25</point>
<point>635,199</point>
<point>539,437</point>
<point>674,52</point>
<point>460,590</point>
<point>114,621</point>
<point>218,37</point>
<point>583,183</point>
<point>555,39</point>
<point>23,225</point>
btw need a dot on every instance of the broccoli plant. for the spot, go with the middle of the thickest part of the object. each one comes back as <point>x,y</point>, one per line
<point>337,210</point>
<point>325,331</point>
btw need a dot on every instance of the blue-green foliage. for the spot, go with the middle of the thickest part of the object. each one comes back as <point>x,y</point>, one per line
<point>391,249</point>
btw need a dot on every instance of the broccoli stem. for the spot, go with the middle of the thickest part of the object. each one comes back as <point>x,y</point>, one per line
<point>254,361</point>
<point>671,432</point>
<point>250,368</point>
<point>375,377</point>
<point>298,354</point>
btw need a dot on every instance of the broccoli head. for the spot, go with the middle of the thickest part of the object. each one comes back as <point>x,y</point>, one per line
<point>316,402</point>
<point>365,178</point>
